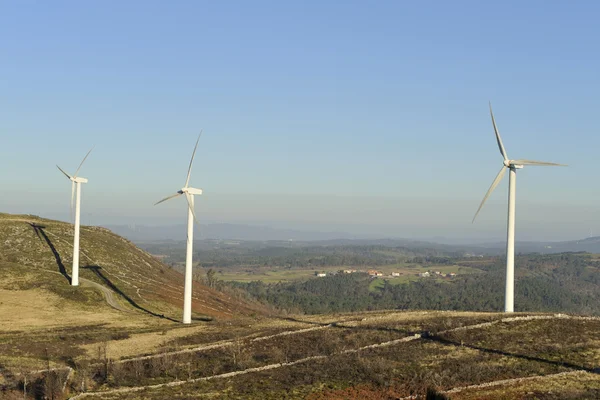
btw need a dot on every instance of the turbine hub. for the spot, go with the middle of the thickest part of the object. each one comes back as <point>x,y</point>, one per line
<point>511,164</point>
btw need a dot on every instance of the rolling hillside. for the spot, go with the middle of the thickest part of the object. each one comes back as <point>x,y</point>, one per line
<point>36,253</point>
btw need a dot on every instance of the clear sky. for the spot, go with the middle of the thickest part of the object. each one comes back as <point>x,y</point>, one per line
<point>354,115</point>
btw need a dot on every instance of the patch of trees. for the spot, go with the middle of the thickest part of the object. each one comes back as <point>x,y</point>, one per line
<point>554,283</point>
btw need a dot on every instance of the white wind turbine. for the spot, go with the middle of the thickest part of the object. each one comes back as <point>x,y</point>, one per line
<point>76,182</point>
<point>512,165</point>
<point>189,195</point>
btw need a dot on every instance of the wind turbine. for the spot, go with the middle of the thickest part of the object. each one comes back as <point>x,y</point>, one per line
<point>76,181</point>
<point>189,193</point>
<point>513,166</point>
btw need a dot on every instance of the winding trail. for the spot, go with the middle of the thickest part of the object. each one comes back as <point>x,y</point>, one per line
<point>109,295</point>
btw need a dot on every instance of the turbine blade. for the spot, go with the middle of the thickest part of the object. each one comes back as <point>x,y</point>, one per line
<point>86,156</point>
<point>61,170</point>
<point>168,198</point>
<point>491,189</point>
<point>540,163</point>
<point>188,198</point>
<point>187,181</point>
<point>498,138</point>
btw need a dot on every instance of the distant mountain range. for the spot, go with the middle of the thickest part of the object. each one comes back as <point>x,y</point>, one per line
<point>144,233</point>
<point>224,231</point>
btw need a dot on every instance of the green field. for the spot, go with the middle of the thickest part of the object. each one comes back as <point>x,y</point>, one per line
<point>273,275</point>
<point>411,274</point>
<point>408,272</point>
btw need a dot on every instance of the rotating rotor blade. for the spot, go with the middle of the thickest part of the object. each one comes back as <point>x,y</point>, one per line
<point>86,156</point>
<point>498,138</point>
<point>168,198</point>
<point>191,206</point>
<point>491,189</point>
<point>540,163</point>
<point>61,170</point>
<point>187,181</point>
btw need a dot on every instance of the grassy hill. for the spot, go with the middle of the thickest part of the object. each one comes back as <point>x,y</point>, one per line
<point>37,253</point>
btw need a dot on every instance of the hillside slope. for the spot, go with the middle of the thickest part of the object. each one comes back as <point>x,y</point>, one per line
<point>37,253</point>
<point>372,355</point>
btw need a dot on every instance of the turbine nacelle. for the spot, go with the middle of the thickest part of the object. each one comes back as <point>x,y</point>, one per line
<point>512,164</point>
<point>74,178</point>
<point>192,191</point>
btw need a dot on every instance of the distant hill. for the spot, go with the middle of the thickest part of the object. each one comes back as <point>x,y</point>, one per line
<point>143,233</point>
<point>139,280</point>
<point>256,233</point>
<point>589,245</point>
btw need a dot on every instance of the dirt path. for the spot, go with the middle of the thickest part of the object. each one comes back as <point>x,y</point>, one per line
<point>225,343</point>
<point>109,295</point>
<point>349,351</point>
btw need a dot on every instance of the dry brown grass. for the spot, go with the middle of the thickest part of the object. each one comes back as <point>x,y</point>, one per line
<point>142,343</point>
<point>578,386</point>
<point>22,310</point>
<point>182,337</point>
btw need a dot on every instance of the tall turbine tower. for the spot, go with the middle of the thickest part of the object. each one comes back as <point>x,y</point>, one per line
<point>513,166</point>
<point>189,195</point>
<point>76,182</point>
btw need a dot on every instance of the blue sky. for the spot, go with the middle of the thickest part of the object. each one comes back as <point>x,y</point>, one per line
<point>363,116</point>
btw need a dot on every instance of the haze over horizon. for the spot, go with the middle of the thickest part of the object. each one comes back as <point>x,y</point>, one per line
<point>316,116</point>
